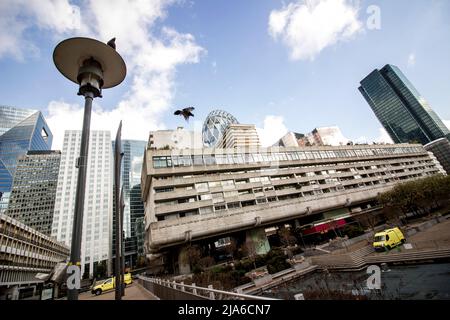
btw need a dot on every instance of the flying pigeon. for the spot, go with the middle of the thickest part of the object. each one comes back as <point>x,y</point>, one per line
<point>112,43</point>
<point>186,113</point>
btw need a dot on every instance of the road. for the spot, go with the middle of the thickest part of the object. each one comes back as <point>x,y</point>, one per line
<point>132,292</point>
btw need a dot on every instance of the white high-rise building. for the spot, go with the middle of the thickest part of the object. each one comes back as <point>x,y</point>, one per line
<point>240,136</point>
<point>98,203</point>
<point>175,139</point>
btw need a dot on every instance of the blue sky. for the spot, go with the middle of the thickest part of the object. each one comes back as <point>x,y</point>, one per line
<point>230,55</point>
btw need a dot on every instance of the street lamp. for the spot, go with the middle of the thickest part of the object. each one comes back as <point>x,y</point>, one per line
<point>94,66</point>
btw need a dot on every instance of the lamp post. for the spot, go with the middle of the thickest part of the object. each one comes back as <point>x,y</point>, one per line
<point>94,66</point>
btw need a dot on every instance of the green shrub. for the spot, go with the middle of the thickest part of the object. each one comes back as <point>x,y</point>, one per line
<point>353,231</point>
<point>276,261</point>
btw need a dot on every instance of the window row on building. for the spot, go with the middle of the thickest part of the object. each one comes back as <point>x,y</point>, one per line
<point>241,158</point>
<point>182,194</point>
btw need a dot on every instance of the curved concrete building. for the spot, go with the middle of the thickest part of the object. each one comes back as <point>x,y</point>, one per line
<point>215,125</point>
<point>206,194</point>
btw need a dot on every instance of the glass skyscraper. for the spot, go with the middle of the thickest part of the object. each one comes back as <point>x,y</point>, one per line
<point>10,116</point>
<point>133,155</point>
<point>33,193</point>
<point>402,111</point>
<point>215,125</point>
<point>31,133</point>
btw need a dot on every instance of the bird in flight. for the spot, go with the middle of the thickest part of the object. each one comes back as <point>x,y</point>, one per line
<point>112,43</point>
<point>186,113</point>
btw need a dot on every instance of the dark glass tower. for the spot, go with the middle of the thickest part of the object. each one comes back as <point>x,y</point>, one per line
<point>30,134</point>
<point>133,155</point>
<point>402,111</point>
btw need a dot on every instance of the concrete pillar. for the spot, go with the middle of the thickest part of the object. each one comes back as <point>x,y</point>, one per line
<point>183,262</point>
<point>259,239</point>
<point>55,290</point>
<point>15,293</point>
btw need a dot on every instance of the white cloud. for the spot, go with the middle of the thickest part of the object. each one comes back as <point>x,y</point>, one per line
<point>307,27</point>
<point>151,50</point>
<point>17,16</point>
<point>447,123</point>
<point>383,137</point>
<point>411,60</point>
<point>273,129</point>
<point>214,67</point>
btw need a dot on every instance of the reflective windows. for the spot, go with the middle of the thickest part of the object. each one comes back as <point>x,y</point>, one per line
<point>200,160</point>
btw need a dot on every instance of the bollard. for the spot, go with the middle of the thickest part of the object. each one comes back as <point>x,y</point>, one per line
<point>211,294</point>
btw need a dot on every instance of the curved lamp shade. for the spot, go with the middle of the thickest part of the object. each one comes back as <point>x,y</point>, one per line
<point>69,55</point>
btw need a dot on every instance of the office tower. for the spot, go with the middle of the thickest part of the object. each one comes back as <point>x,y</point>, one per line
<point>290,139</point>
<point>31,133</point>
<point>240,136</point>
<point>33,193</point>
<point>10,116</point>
<point>402,111</point>
<point>215,125</point>
<point>25,253</point>
<point>133,155</point>
<point>324,136</point>
<point>321,136</point>
<point>97,219</point>
<point>199,196</point>
<point>441,150</point>
<point>174,139</point>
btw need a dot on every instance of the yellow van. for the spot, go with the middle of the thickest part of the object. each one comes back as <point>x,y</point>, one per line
<point>109,284</point>
<point>388,239</point>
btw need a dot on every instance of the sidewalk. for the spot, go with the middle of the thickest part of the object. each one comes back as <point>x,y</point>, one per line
<point>132,292</point>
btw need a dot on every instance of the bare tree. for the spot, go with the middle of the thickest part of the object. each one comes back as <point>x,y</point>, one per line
<point>250,250</point>
<point>231,248</point>
<point>192,256</point>
<point>286,237</point>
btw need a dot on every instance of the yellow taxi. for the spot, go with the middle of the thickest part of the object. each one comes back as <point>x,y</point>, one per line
<point>109,284</point>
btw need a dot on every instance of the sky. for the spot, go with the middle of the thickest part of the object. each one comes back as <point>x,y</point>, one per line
<point>281,65</point>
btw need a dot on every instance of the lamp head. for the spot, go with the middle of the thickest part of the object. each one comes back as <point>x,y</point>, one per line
<point>90,63</point>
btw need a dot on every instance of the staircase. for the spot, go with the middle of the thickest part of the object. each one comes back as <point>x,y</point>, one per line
<point>353,260</point>
<point>366,256</point>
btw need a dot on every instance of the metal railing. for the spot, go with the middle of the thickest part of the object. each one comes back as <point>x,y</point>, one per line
<point>166,289</point>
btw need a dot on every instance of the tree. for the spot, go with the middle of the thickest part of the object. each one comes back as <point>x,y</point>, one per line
<point>419,196</point>
<point>367,220</point>
<point>192,256</point>
<point>286,237</point>
<point>231,248</point>
<point>250,250</point>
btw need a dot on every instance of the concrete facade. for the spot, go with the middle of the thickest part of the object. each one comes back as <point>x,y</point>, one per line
<point>198,194</point>
<point>24,253</point>
<point>175,139</point>
<point>441,150</point>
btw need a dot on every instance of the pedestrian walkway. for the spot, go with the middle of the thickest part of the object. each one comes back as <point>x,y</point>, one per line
<point>132,292</point>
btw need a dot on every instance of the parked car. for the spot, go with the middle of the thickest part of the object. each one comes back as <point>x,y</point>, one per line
<point>388,239</point>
